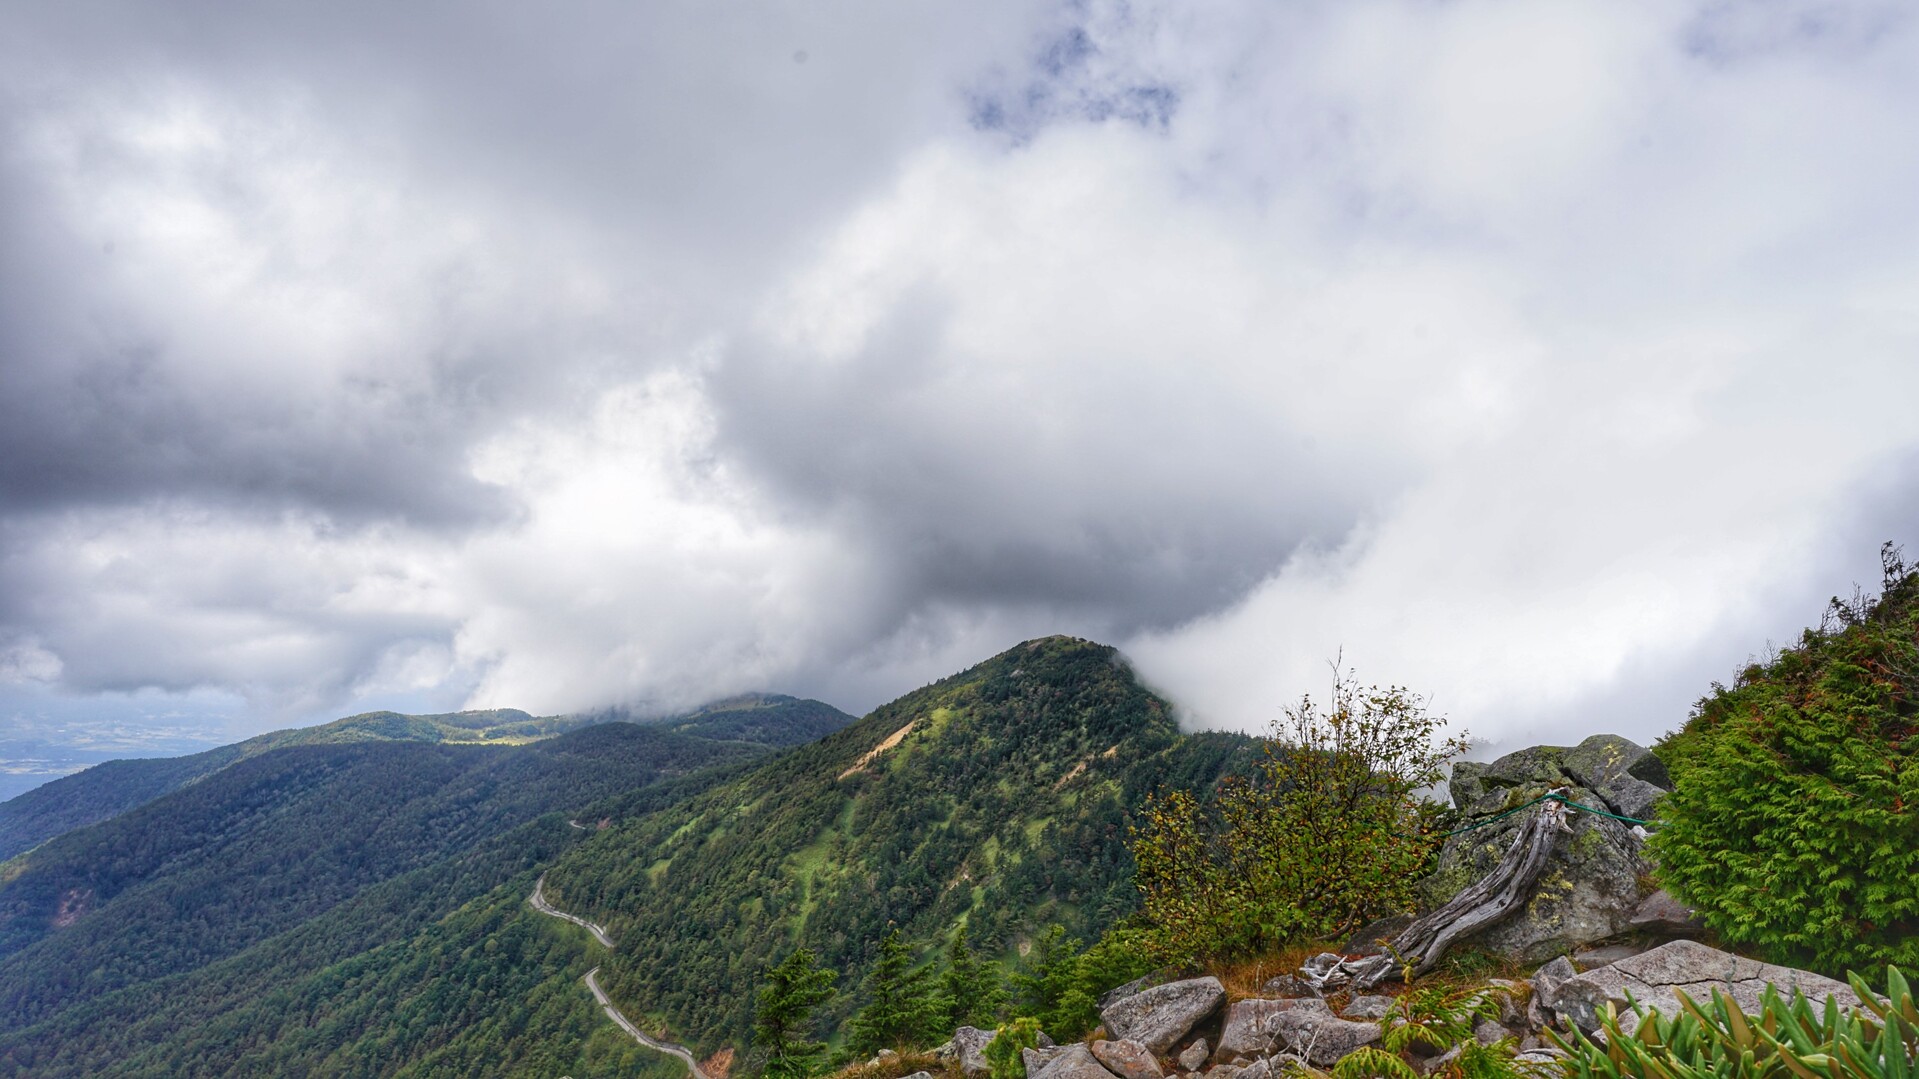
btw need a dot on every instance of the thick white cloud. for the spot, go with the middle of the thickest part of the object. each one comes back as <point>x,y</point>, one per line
<point>1548,359</point>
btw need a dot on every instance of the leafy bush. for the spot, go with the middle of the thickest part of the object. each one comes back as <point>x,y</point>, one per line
<point>1329,832</point>
<point>1787,1040</point>
<point>1794,825</point>
<point>1005,1053</point>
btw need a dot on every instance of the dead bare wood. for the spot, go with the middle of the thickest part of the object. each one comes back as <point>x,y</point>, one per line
<point>1495,896</point>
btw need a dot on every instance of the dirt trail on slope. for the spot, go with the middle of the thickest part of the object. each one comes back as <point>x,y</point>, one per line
<point>539,903</point>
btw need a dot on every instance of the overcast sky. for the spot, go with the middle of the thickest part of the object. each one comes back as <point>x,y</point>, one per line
<point>1548,358</point>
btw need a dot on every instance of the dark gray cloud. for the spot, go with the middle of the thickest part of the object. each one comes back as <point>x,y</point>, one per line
<point>388,353</point>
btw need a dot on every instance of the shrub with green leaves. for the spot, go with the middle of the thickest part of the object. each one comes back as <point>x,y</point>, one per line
<point>1005,1054</point>
<point>1793,827</point>
<point>1786,1040</point>
<point>1329,833</point>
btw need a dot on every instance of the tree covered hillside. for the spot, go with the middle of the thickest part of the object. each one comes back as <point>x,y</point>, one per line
<point>997,799</point>
<point>261,847</point>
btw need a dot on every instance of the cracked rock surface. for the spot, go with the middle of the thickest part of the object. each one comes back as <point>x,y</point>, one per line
<point>1656,977</point>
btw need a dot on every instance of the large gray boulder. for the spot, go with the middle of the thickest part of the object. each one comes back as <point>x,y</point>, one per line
<point>1322,1037</point>
<point>1162,1015</point>
<point>1248,1029</point>
<point>968,1050</point>
<point>1127,1059</point>
<point>1591,884</point>
<point>1628,778</point>
<point>1655,978</point>
<point>1074,1061</point>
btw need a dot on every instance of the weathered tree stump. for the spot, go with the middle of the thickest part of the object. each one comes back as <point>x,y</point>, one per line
<point>1496,895</point>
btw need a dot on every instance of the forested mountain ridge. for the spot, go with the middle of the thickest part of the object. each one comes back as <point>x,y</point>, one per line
<point>106,790</point>
<point>996,799</point>
<point>261,847</point>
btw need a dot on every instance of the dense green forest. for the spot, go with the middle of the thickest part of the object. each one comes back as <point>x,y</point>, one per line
<point>359,908</point>
<point>998,799</point>
<point>110,789</point>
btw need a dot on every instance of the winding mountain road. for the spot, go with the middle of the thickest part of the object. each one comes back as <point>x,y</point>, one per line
<point>538,901</point>
<point>639,1035</point>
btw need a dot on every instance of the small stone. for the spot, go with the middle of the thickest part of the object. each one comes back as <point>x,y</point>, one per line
<point>1507,994</point>
<point>1195,1055</point>
<point>1661,913</point>
<point>1289,985</point>
<point>1037,1059</point>
<point>1258,1069</point>
<point>886,1056</point>
<point>1368,1007</point>
<point>1433,1064</point>
<point>1223,1071</point>
<point>1488,1032</point>
<point>1546,983</point>
<point>1127,1059</point>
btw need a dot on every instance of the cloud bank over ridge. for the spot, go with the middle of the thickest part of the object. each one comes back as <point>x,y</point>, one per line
<point>1547,360</point>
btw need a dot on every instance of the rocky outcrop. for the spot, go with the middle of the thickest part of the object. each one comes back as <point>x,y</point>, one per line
<point>1159,1017</point>
<point>1656,977</point>
<point>1127,1059</point>
<point>968,1050</point>
<point>1591,884</point>
<point>1074,1061</point>
<point>1320,1037</point>
<point>1248,1030</point>
<point>1626,776</point>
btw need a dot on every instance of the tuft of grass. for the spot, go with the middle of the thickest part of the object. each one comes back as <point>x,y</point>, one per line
<point>896,1067</point>
<point>1245,977</point>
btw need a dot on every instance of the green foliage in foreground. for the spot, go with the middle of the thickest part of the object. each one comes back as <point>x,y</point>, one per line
<point>783,1021</point>
<point>1432,1021</point>
<point>1786,1040</point>
<point>1794,825</point>
<point>1005,1054</point>
<point>900,1011</point>
<point>1062,983</point>
<point>1330,833</point>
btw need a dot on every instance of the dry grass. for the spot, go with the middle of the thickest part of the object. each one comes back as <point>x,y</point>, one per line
<point>1244,978</point>
<point>896,1067</point>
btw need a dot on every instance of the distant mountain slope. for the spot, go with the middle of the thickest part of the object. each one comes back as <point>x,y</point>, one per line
<point>259,847</point>
<point>998,797</point>
<point>107,790</point>
<point>771,719</point>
